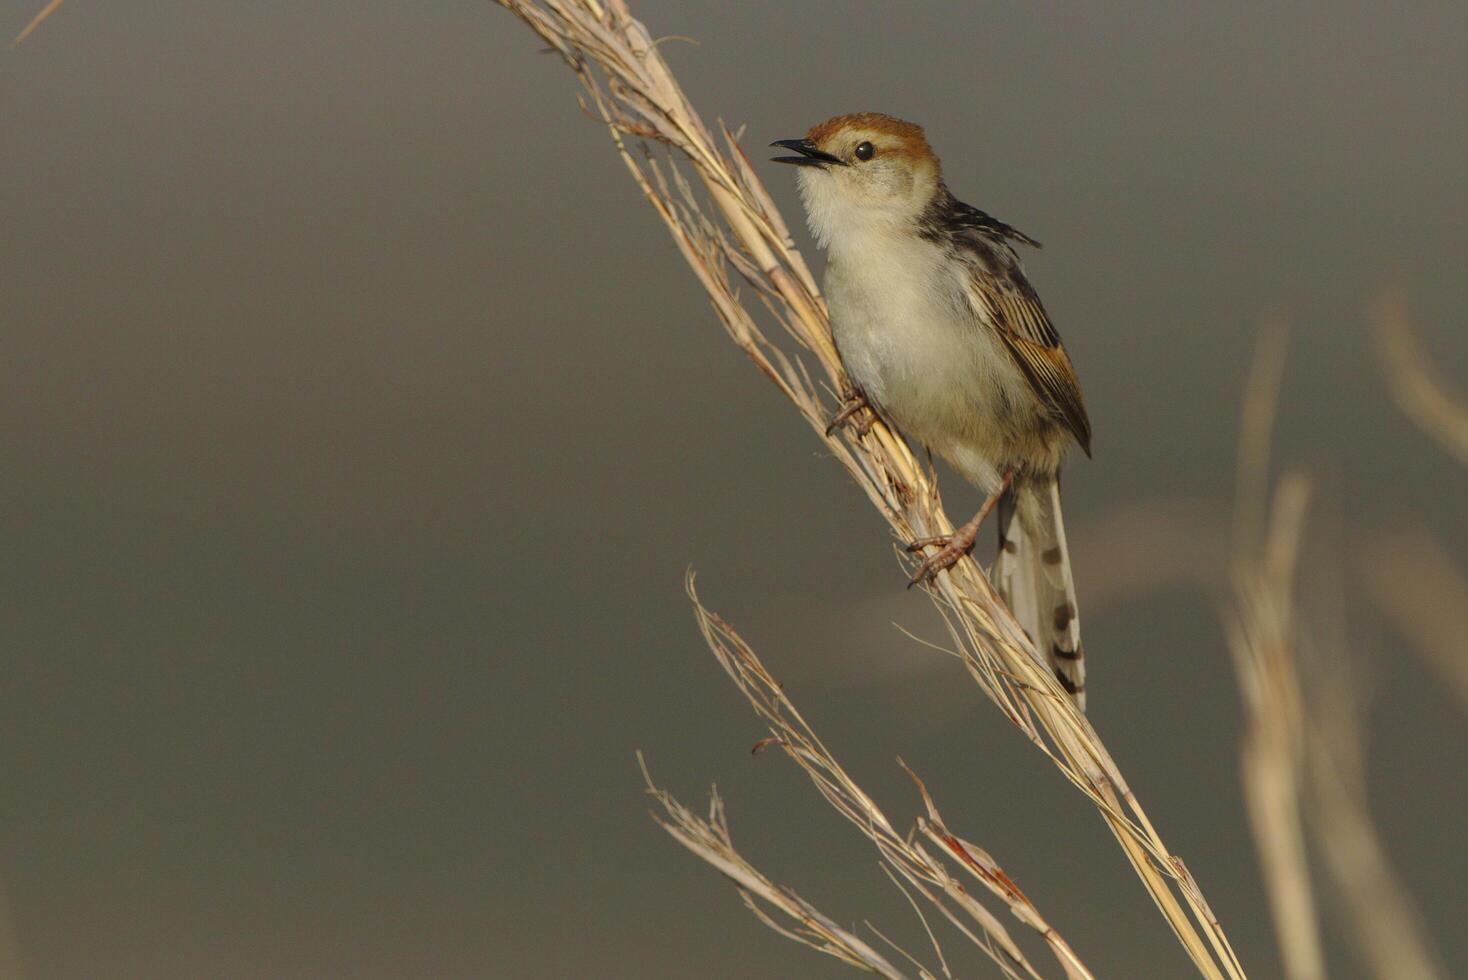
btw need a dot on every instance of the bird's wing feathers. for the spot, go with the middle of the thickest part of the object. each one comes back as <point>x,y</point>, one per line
<point>970,217</point>
<point>999,292</point>
<point>1052,377</point>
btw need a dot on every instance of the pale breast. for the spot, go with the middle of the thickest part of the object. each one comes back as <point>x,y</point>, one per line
<point>910,340</point>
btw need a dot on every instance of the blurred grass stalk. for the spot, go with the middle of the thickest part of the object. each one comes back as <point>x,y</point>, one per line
<point>1302,760</point>
<point>630,88</point>
<point>1261,632</point>
<point>1409,574</point>
<point>1419,392</point>
<point>35,22</point>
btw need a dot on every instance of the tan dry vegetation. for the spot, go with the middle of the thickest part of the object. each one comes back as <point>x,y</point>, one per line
<point>1301,752</point>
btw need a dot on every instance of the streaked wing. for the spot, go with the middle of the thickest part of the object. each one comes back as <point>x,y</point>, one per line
<point>1049,372</point>
<point>999,292</point>
<point>968,217</point>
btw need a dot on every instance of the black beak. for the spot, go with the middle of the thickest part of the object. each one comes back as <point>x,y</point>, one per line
<point>810,154</point>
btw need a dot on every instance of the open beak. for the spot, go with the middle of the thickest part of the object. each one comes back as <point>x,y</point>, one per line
<point>810,154</point>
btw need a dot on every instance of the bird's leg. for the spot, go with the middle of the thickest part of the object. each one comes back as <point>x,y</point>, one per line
<point>952,547</point>
<point>853,404</point>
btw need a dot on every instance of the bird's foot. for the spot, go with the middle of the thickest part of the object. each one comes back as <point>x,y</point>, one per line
<point>854,405</point>
<point>951,547</point>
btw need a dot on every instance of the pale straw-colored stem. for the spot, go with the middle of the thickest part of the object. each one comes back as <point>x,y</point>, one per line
<point>1418,388</point>
<point>35,22</point>
<point>1303,779</point>
<point>634,93</point>
<point>710,840</point>
<point>909,861</point>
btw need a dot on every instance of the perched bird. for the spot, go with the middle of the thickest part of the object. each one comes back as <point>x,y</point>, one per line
<point>941,333</point>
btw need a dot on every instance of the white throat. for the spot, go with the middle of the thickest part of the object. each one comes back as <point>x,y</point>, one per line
<point>841,213</point>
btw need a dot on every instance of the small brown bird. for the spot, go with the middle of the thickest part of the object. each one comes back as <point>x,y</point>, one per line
<point>941,333</point>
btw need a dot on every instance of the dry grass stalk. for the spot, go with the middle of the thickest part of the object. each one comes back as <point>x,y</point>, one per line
<point>710,840</point>
<point>1256,430</point>
<point>1382,919</point>
<point>982,865</point>
<point>1262,639</point>
<point>1261,632</point>
<point>632,91</point>
<point>924,873</point>
<point>35,22</point>
<point>1410,575</point>
<point>1301,757</point>
<point>1420,393</point>
<point>1425,595</point>
<point>1303,774</point>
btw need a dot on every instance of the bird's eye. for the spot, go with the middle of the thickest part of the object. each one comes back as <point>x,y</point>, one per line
<point>865,150</point>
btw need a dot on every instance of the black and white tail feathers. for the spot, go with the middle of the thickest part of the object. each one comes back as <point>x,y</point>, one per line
<point>1032,574</point>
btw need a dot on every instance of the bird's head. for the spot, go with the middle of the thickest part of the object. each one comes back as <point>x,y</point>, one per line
<point>863,171</point>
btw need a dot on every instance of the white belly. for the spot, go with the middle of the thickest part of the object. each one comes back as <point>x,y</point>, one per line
<point>910,340</point>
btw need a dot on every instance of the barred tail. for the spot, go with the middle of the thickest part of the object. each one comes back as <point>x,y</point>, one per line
<point>1033,575</point>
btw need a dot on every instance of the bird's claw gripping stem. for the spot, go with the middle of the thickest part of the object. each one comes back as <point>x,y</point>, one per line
<point>952,547</point>
<point>854,405</point>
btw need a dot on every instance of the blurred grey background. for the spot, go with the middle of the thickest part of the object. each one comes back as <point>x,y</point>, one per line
<point>359,422</point>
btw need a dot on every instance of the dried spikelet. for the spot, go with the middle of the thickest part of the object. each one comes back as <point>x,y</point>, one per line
<point>630,88</point>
